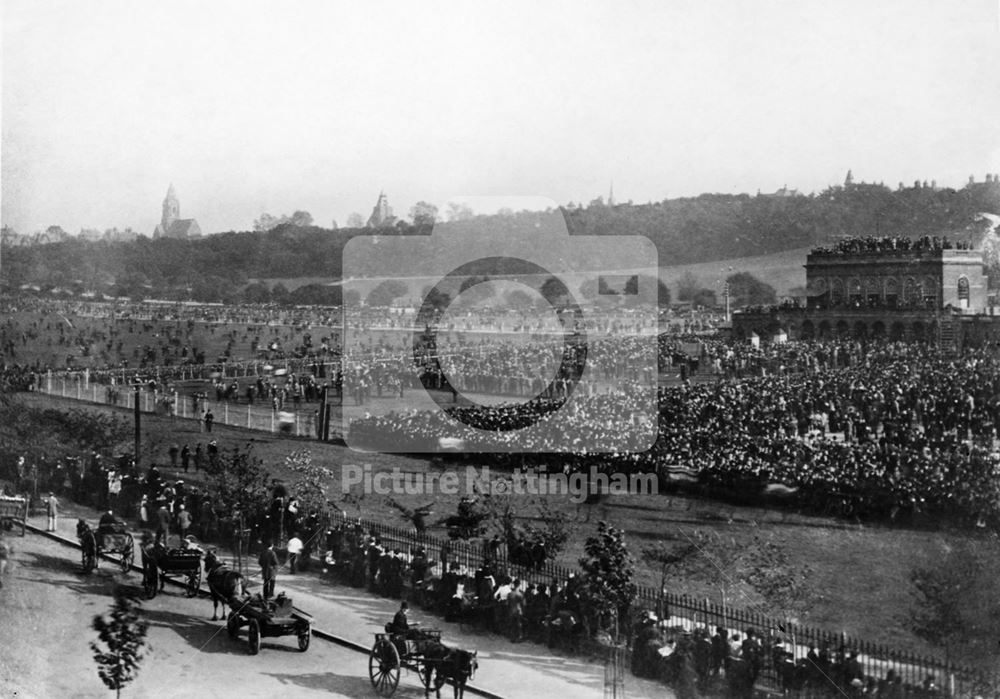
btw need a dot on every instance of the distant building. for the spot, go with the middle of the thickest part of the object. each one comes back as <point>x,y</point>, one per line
<point>782,193</point>
<point>891,288</point>
<point>381,213</point>
<point>171,223</point>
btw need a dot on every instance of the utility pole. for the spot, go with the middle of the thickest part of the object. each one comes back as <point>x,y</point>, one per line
<point>138,431</point>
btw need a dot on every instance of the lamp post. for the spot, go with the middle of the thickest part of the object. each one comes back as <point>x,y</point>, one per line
<point>137,419</point>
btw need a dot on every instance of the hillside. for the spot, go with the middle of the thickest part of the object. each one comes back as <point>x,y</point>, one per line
<point>711,231</point>
<point>783,270</point>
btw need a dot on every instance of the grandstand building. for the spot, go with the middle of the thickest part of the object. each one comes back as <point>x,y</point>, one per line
<point>894,288</point>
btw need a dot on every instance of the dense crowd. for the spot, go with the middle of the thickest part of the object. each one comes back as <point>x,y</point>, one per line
<point>872,244</point>
<point>874,430</point>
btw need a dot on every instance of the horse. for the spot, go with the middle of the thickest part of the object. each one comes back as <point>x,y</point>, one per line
<point>88,544</point>
<point>223,583</point>
<point>450,665</point>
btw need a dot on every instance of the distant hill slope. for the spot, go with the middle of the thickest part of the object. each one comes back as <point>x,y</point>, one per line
<point>764,235</point>
<point>783,270</point>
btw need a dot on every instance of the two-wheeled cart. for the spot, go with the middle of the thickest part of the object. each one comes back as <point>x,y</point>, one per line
<point>269,618</point>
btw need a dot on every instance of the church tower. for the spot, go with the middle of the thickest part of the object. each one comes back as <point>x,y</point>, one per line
<point>171,224</point>
<point>381,213</point>
<point>171,208</point>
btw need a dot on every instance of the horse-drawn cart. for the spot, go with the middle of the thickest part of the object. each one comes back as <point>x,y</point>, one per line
<point>13,510</point>
<point>422,652</point>
<point>269,618</point>
<point>393,652</point>
<point>107,538</point>
<point>160,563</point>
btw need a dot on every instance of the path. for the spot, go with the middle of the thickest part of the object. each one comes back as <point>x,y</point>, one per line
<point>510,670</point>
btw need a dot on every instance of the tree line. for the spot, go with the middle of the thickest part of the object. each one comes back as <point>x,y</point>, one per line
<point>689,230</point>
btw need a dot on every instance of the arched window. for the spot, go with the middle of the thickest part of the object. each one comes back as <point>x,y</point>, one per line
<point>818,297</point>
<point>854,291</point>
<point>930,292</point>
<point>873,296</point>
<point>837,292</point>
<point>963,289</point>
<point>891,292</point>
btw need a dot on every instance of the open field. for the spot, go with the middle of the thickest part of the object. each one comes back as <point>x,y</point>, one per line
<point>783,270</point>
<point>855,578</point>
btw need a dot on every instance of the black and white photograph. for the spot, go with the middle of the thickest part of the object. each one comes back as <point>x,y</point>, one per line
<point>643,349</point>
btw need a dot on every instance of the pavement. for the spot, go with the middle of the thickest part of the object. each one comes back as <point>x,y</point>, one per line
<point>353,616</point>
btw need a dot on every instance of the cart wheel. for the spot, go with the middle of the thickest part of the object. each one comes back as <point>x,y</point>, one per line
<point>233,624</point>
<point>383,667</point>
<point>127,559</point>
<point>194,583</point>
<point>305,635</point>
<point>254,637</point>
<point>149,583</point>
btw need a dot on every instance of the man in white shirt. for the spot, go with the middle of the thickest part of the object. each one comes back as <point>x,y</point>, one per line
<point>294,549</point>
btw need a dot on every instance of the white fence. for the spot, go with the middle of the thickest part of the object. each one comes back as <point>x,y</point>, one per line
<point>300,423</point>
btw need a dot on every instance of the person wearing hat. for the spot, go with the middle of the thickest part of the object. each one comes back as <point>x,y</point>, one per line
<point>162,523</point>
<point>52,508</point>
<point>268,561</point>
<point>294,548</point>
<point>183,521</point>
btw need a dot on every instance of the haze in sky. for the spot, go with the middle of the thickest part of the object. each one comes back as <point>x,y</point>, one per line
<point>249,106</point>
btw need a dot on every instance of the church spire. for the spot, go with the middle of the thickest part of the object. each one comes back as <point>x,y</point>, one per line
<point>171,208</point>
<point>611,194</point>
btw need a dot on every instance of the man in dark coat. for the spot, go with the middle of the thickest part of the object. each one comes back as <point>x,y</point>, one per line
<point>162,523</point>
<point>268,561</point>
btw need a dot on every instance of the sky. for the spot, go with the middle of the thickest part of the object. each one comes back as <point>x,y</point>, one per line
<point>250,107</point>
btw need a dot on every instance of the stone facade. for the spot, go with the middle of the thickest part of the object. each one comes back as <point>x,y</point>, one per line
<point>915,294</point>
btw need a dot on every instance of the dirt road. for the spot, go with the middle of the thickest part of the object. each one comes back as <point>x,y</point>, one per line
<point>47,606</point>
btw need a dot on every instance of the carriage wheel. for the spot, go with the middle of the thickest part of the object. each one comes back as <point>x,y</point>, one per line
<point>305,635</point>
<point>383,667</point>
<point>149,582</point>
<point>194,583</point>
<point>89,560</point>
<point>254,637</point>
<point>233,624</point>
<point>127,559</point>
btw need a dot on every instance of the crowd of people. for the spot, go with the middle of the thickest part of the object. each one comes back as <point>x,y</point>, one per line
<point>864,245</point>
<point>878,429</point>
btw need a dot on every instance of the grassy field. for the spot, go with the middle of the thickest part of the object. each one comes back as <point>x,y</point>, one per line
<point>94,342</point>
<point>783,270</point>
<point>852,578</point>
